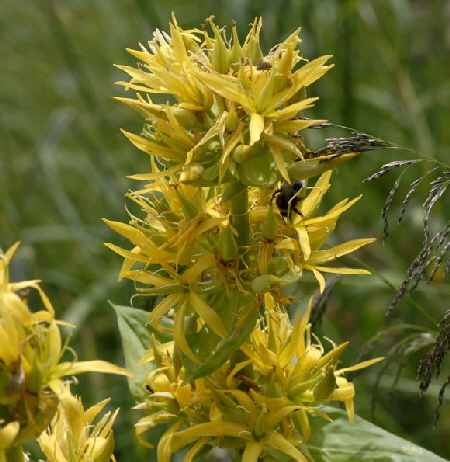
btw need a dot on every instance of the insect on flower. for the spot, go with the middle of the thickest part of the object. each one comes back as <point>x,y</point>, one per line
<point>263,66</point>
<point>287,197</point>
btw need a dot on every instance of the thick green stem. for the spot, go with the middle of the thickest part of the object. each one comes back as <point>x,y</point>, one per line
<point>240,218</point>
<point>241,223</point>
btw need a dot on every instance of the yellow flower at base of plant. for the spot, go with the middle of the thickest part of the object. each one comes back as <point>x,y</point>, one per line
<point>31,371</point>
<point>73,436</point>
<point>291,378</point>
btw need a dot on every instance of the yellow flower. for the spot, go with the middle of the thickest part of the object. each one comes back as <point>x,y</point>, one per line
<point>261,412</point>
<point>295,370</point>
<point>233,108</point>
<point>31,374</point>
<point>72,434</point>
<point>304,250</point>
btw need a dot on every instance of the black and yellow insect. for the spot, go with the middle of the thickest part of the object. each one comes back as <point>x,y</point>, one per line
<point>287,197</point>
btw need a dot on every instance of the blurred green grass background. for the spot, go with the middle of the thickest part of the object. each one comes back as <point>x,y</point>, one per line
<point>64,162</point>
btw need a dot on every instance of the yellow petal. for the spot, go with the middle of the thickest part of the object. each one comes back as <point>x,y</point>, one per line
<point>320,279</point>
<point>256,127</point>
<point>8,433</point>
<point>323,256</point>
<point>178,332</point>
<point>279,161</point>
<point>252,451</point>
<point>277,441</point>
<point>211,318</point>
<point>291,111</point>
<point>73,368</point>
<point>295,125</point>
<point>195,448</point>
<point>312,200</point>
<point>303,238</point>
<point>361,365</point>
<point>153,149</point>
<point>218,428</point>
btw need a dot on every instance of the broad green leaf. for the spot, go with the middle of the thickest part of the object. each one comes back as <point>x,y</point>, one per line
<point>342,441</point>
<point>136,340</point>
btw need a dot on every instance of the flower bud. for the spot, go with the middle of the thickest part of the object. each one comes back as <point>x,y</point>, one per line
<point>242,153</point>
<point>184,117</point>
<point>264,283</point>
<point>232,120</point>
<point>191,173</point>
<point>227,245</point>
<point>260,427</point>
<point>325,388</point>
<point>269,228</point>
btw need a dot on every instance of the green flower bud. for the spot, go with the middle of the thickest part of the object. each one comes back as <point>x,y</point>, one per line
<point>264,283</point>
<point>325,388</point>
<point>191,173</point>
<point>232,120</point>
<point>220,53</point>
<point>260,427</point>
<point>236,49</point>
<point>269,228</point>
<point>242,153</point>
<point>184,117</point>
<point>227,245</point>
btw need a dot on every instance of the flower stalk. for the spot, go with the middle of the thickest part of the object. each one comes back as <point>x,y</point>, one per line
<point>239,218</point>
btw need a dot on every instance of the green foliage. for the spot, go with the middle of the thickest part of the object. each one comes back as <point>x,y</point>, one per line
<point>341,441</point>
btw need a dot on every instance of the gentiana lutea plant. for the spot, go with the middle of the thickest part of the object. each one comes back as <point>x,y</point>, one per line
<point>227,222</point>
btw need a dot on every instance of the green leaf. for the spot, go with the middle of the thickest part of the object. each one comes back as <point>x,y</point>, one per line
<point>342,441</point>
<point>136,340</point>
<point>260,170</point>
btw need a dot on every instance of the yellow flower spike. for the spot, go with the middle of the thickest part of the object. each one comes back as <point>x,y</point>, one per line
<point>214,78</point>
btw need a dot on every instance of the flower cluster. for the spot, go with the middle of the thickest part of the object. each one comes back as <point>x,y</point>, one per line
<point>260,416</point>
<point>233,114</point>
<point>72,434</point>
<point>227,221</point>
<point>31,366</point>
